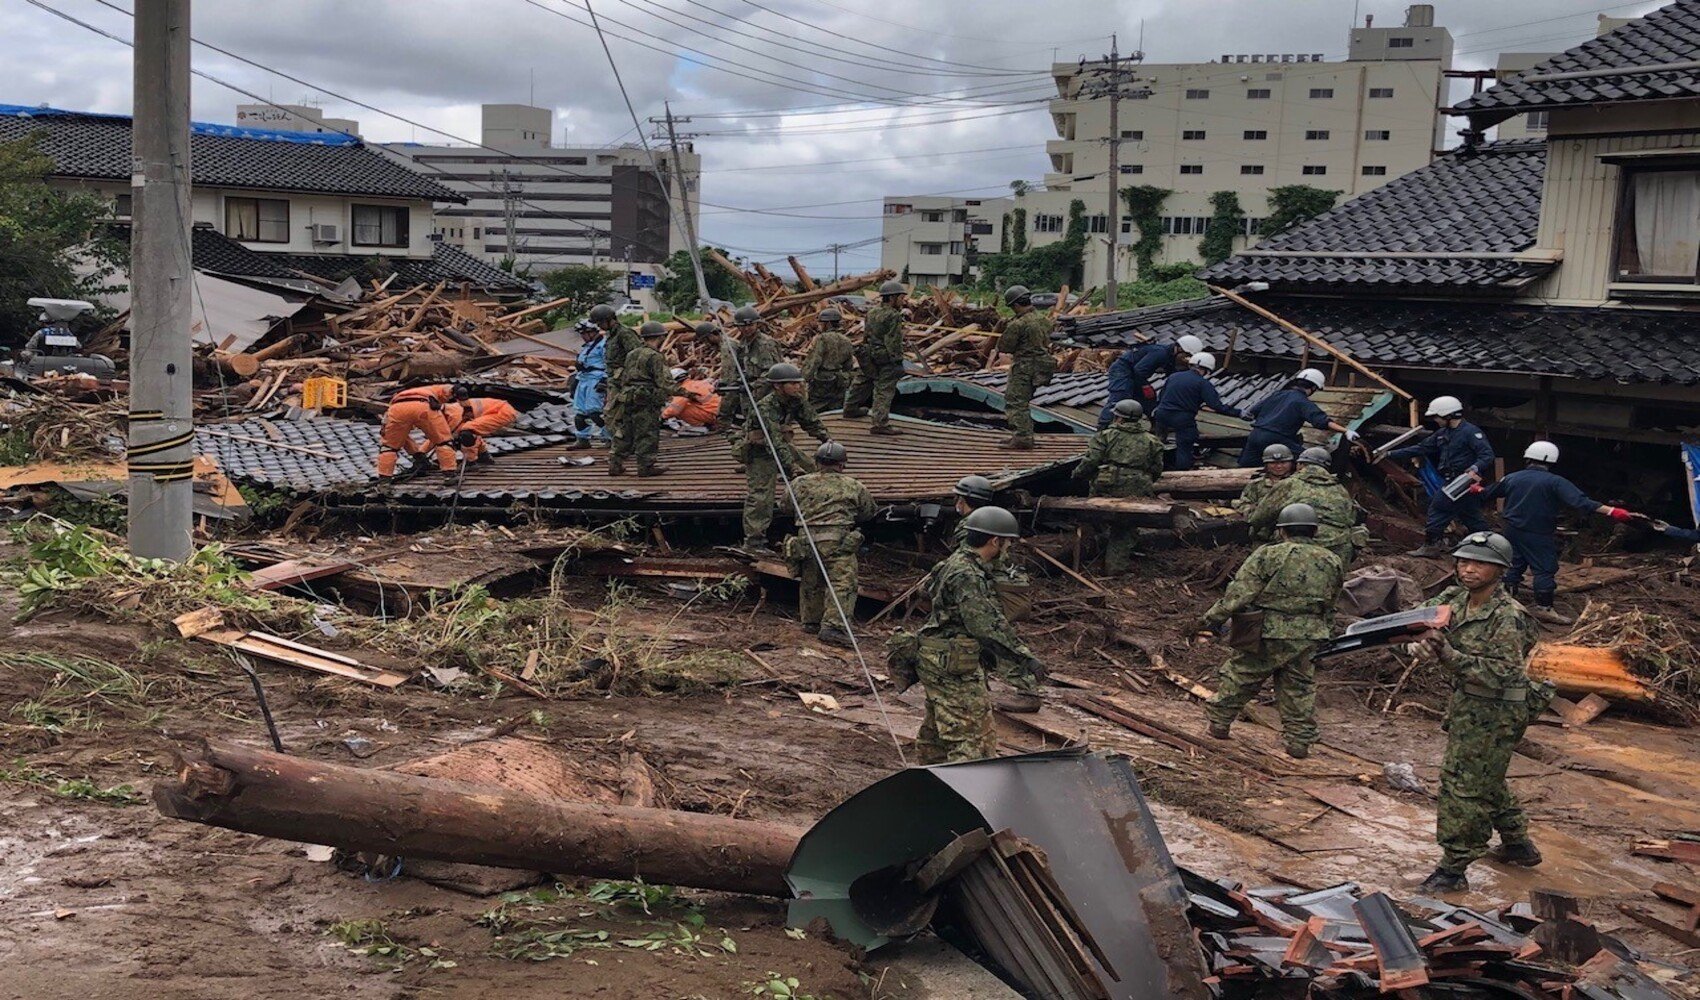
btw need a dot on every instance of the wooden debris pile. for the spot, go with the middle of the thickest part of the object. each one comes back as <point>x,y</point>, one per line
<point>1632,656</point>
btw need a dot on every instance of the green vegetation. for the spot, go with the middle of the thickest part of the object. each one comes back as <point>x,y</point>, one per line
<point>1144,208</point>
<point>1226,218</point>
<point>1044,267</point>
<point>101,513</point>
<point>15,448</point>
<point>542,924</point>
<point>679,287</point>
<point>583,285</point>
<point>1295,203</point>
<point>779,987</point>
<point>372,939</point>
<point>83,789</point>
<point>1015,232</point>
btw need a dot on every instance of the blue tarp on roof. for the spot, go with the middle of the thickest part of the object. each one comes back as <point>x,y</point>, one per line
<point>200,128</point>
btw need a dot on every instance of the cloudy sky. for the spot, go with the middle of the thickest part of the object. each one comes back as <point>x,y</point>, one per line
<point>809,111</point>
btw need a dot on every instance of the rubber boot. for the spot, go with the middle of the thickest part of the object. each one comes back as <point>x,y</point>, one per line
<point>645,472</point>
<point>1298,752</point>
<point>1218,731</point>
<point>1443,882</point>
<point>1523,855</point>
<point>832,635</point>
<point>1020,702</point>
<point>1429,550</point>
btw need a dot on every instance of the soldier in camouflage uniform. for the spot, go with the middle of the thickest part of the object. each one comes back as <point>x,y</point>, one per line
<point>1123,460</point>
<point>618,341</point>
<point>879,362</point>
<point>644,385</point>
<point>1277,465</point>
<point>967,628</point>
<point>1294,584</point>
<point>1012,584</point>
<point>1485,649</point>
<point>1026,338</point>
<point>784,405</point>
<point>827,365</point>
<point>753,352</point>
<point>832,504</point>
<point>1335,509</point>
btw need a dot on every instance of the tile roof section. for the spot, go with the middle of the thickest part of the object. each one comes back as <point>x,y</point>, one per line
<point>98,147</point>
<point>446,263</point>
<point>1668,37</point>
<point>1484,201</point>
<point>1609,344</point>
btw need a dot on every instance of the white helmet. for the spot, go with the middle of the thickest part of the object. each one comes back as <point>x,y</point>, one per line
<point>1312,376</point>
<point>678,373</point>
<point>1445,407</point>
<point>1542,451</point>
<point>1189,344</point>
<point>1204,360</point>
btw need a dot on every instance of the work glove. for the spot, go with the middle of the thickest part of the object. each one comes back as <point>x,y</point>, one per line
<point>1353,436</point>
<point>1620,514</point>
<point>1476,488</point>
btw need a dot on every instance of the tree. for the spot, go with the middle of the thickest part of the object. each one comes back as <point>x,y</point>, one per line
<point>1019,188</point>
<point>52,243</point>
<point>678,287</point>
<point>582,285</point>
<point>1292,204</point>
<point>1044,267</point>
<point>1017,230</point>
<point>1144,203</point>
<point>1226,218</point>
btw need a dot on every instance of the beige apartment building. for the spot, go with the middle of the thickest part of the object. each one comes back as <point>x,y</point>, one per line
<point>1245,122</point>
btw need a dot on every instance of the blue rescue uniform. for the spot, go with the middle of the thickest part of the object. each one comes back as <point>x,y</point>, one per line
<point>1184,394</point>
<point>1130,377</point>
<point>1277,419</point>
<point>1533,497</point>
<point>1453,451</point>
<point>588,393</point>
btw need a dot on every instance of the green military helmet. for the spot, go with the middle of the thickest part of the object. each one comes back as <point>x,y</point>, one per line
<point>994,521</point>
<point>892,287</point>
<point>831,316</point>
<point>1016,295</point>
<point>1277,453</point>
<point>1128,409</point>
<point>652,329</point>
<point>831,453</point>
<point>1484,547</point>
<point>784,372</point>
<point>706,329</point>
<point>976,488</point>
<point>746,316</point>
<point>1315,455</point>
<point>603,313</point>
<point>1297,515</point>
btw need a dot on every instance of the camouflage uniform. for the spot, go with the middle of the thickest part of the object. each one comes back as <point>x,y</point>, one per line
<point>1336,512</point>
<point>644,385</point>
<point>779,412</point>
<point>967,627</point>
<point>827,369</point>
<point>1028,339</point>
<point>756,357</point>
<point>619,343</point>
<point>1486,652</point>
<point>879,365</point>
<point>1250,497</point>
<point>1123,460</point>
<point>1294,583</point>
<point>833,503</point>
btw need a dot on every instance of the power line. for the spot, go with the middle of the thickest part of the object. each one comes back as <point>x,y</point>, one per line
<point>858,41</point>
<point>940,34</point>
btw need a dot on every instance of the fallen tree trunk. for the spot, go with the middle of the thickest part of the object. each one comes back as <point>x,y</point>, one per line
<point>361,809</point>
<point>1204,483</point>
<point>1145,512</point>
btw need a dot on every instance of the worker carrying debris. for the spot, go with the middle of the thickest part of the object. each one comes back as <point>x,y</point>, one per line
<point>589,386</point>
<point>1122,460</point>
<point>1184,394</point>
<point>967,628</point>
<point>826,368</point>
<point>1281,603</point>
<point>1485,648</point>
<point>1456,448</point>
<point>644,385</point>
<point>746,355</point>
<point>1278,464</point>
<point>784,405</point>
<point>832,505</point>
<point>1131,373</point>
<point>1533,496</point>
<point>480,417</point>
<point>1338,530</point>
<point>1027,339</point>
<point>421,408</point>
<point>1278,417</point>
<point>695,408</point>
<point>879,362</point>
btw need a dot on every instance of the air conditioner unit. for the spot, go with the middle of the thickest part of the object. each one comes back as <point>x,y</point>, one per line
<point>325,232</point>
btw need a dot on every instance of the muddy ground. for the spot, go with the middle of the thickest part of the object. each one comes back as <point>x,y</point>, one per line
<point>106,899</point>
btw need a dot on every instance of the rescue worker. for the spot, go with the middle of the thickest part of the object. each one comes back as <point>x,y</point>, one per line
<point>1184,394</point>
<point>481,417</point>
<point>1457,447</point>
<point>590,386</point>
<point>1027,339</point>
<point>1485,650</point>
<point>1278,464</point>
<point>972,493</point>
<point>644,385</point>
<point>1336,511</point>
<point>1278,417</point>
<point>967,628</point>
<point>1533,496</point>
<point>1122,460</point>
<point>1681,534</point>
<point>696,407</point>
<point>1293,583</point>
<point>826,368</point>
<point>419,407</point>
<point>1131,372</point>
<point>832,504</point>
<point>621,340</point>
<point>785,404</point>
<point>879,362</point>
<point>747,354</point>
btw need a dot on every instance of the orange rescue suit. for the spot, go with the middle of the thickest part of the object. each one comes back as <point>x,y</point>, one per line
<point>482,417</point>
<point>699,406</point>
<point>421,407</point>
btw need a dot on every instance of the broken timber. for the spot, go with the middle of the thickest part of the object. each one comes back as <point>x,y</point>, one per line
<point>1141,512</point>
<point>280,650</point>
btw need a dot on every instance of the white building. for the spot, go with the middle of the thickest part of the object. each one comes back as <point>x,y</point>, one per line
<point>937,238</point>
<point>293,118</point>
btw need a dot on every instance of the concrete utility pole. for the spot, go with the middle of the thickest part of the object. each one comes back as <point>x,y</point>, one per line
<point>508,211</point>
<point>162,430</point>
<point>836,248</point>
<point>1113,78</point>
<point>684,196</point>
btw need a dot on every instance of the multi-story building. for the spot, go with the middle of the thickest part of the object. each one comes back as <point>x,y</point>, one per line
<point>293,118</point>
<point>1533,125</point>
<point>937,239</point>
<point>550,206</point>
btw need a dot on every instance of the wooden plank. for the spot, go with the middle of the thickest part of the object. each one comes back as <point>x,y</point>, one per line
<point>293,571</point>
<point>1641,915</point>
<point>192,623</point>
<point>1682,896</point>
<point>1670,850</point>
<point>1579,579</point>
<point>1580,713</point>
<point>278,650</point>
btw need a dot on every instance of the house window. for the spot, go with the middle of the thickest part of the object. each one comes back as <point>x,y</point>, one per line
<point>1401,42</point>
<point>932,216</point>
<point>959,215</point>
<point>1192,134</point>
<point>1132,168</point>
<point>1321,93</point>
<point>1134,134</point>
<point>1535,121</point>
<point>1256,135</point>
<point>1047,223</point>
<point>1316,135</point>
<point>1380,93</point>
<point>1375,171</point>
<point>1257,94</point>
<point>477,232</point>
<point>1377,135</point>
<point>1197,95</point>
<point>380,226</point>
<point>1096,224</point>
<point>1658,227</point>
<point>1314,170</point>
<point>1251,169</point>
<point>980,228</point>
<point>1192,168</point>
<point>930,249</point>
<point>257,220</point>
<point>956,247</point>
<point>1250,227</point>
<point>121,206</point>
<point>899,209</point>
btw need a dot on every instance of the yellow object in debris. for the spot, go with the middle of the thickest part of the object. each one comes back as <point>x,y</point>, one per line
<point>324,393</point>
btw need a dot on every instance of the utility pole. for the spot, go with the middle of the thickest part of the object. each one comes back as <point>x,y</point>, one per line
<point>508,212</point>
<point>162,430</point>
<point>836,249</point>
<point>684,195</point>
<point>1112,81</point>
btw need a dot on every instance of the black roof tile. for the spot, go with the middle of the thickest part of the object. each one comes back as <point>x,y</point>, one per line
<point>446,263</point>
